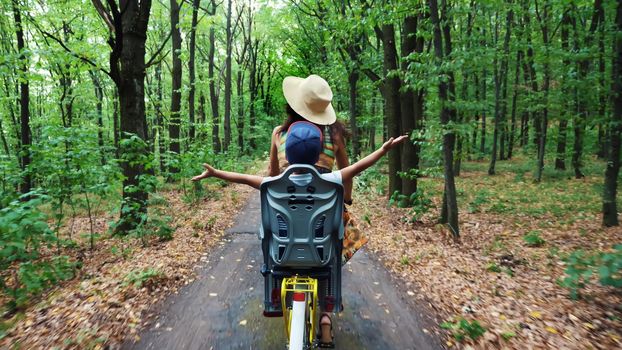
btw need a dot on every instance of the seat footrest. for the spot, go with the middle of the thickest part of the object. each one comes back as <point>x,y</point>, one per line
<point>330,345</point>
<point>268,313</point>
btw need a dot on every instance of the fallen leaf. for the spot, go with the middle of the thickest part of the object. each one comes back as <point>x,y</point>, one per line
<point>551,330</point>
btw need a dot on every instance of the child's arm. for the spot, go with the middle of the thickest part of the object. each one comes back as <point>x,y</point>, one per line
<point>351,171</point>
<point>245,179</point>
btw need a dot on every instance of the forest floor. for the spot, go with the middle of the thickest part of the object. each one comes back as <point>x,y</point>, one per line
<point>121,280</point>
<point>493,275</point>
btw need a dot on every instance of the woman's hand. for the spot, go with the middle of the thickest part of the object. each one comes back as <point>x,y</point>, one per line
<point>393,142</point>
<point>209,171</point>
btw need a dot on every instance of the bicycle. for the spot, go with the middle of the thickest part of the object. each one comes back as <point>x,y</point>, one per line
<point>302,237</point>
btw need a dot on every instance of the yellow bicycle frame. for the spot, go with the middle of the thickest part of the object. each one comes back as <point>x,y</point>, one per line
<point>299,284</point>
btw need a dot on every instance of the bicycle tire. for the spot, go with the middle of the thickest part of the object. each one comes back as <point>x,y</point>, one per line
<point>298,322</point>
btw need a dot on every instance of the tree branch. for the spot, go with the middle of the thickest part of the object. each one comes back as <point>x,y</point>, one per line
<point>151,60</point>
<point>312,14</point>
<point>103,14</point>
<point>66,48</point>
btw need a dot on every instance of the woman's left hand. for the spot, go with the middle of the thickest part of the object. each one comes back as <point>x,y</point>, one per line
<point>209,171</point>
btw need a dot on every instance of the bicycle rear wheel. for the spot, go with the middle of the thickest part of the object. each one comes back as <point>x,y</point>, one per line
<point>298,322</point>
<point>300,304</point>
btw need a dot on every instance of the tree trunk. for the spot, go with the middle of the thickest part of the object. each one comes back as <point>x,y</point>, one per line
<point>372,128</point>
<point>497,79</point>
<point>602,108</point>
<point>99,94</point>
<point>191,75</point>
<point>227,122</point>
<point>202,113</point>
<point>252,87</point>
<point>212,90</point>
<point>115,123</point>
<point>353,78</point>
<point>15,124</point>
<point>477,98</point>
<point>525,115</point>
<point>462,138</point>
<point>127,69</point>
<point>545,89</point>
<point>409,152</point>
<point>530,66</point>
<point>5,144</point>
<point>159,117</point>
<point>582,117</point>
<point>504,83</point>
<point>392,104</point>
<point>24,101</point>
<point>450,206</point>
<point>482,138</point>
<point>514,98</point>
<point>500,76</point>
<point>560,160</point>
<point>268,90</point>
<point>240,96</point>
<point>174,122</point>
<point>610,212</point>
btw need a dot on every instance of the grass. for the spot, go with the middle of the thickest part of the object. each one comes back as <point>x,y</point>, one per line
<point>513,192</point>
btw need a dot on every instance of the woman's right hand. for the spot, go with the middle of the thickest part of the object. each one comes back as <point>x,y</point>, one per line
<point>392,142</point>
<point>209,171</point>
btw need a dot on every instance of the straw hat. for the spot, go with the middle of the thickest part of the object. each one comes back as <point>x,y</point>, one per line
<point>310,97</point>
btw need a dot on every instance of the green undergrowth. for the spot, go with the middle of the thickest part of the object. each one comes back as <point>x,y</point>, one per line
<point>43,240</point>
<point>512,191</point>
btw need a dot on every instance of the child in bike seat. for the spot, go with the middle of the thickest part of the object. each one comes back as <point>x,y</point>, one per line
<point>303,146</point>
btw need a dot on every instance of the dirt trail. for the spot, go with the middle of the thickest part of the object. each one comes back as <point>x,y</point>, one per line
<point>222,308</point>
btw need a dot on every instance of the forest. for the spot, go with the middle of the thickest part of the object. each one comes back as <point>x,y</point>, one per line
<point>513,109</point>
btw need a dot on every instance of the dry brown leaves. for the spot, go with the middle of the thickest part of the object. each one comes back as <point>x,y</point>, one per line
<point>529,307</point>
<point>97,309</point>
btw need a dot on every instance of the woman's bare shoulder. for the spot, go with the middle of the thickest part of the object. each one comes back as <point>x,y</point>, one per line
<point>276,130</point>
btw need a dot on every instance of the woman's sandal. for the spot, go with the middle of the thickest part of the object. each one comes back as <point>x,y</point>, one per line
<point>326,332</point>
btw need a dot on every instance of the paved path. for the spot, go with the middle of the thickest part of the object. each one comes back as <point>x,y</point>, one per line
<point>222,308</point>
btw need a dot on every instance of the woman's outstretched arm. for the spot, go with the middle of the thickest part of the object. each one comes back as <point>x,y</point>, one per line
<point>245,179</point>
<point>350,172</point>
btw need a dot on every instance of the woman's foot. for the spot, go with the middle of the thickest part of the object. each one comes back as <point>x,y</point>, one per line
<point>326,329</point>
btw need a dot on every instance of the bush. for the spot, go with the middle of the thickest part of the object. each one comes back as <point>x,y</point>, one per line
<point>138,278</point>
<point>581,267</point>
<point>35,277</point>
<point>418,202</point>
<point>533,239</point>
<point>492,267</point>
<point>475,206</point>
<point>371,178</point>
<point>463,328</point>
<point>23,230</point>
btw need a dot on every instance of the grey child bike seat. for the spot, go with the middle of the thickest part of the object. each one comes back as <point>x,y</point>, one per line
<point>301,230</point>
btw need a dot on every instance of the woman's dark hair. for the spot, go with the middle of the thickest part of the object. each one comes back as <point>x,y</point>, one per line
<point>336,128</point>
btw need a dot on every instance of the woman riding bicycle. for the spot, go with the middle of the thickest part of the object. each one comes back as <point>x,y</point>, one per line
<point>309,99</point>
